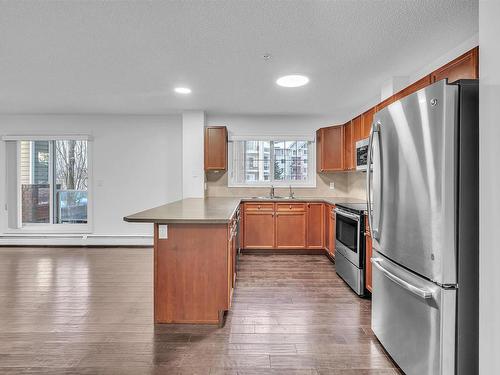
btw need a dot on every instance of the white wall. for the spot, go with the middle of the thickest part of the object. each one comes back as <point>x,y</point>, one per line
<point>489,183</point>
<point>263,125</point>
<point>193,180</point>
<point>136,165</point>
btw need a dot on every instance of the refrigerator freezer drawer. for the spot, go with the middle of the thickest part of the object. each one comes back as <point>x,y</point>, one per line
<point>414,319</point>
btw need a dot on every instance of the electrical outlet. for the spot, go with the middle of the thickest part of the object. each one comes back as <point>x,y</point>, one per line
<point>332,185</point>
<point>163,231</point>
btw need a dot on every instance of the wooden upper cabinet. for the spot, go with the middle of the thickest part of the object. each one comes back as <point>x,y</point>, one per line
<point>215,148</point>
<point>366,122</point>
<point>357,130</point>
<point>385,103</point>
<point>414,87</point>
<point>315,225</point>
<point>348,146</point>
<point>463,67</point>
<point>330,149</point>
<point>291,229</point>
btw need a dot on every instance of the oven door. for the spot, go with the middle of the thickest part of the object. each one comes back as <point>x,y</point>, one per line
<point>347,230</point>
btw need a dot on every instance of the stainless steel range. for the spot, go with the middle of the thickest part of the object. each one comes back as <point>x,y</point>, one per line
<point>350,245</point>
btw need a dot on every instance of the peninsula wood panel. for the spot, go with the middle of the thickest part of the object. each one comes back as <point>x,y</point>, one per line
<point>291,230</point>
<point>191,274</point>
<point>259,229</point>
<point>315,225</point>
<point>215,153</point>
<point>465,66</point>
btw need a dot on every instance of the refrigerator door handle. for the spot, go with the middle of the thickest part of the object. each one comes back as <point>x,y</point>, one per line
<point>422,293</point>
<point>374,129</point>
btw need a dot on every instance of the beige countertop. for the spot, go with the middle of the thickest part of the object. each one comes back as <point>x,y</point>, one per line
<point>213,210</point>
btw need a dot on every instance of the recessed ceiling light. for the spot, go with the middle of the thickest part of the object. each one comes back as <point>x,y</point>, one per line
<point>182,90</point>
<point>294,80</point>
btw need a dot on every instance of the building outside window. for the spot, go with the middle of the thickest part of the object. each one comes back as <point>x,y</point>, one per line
<point>271,162</point>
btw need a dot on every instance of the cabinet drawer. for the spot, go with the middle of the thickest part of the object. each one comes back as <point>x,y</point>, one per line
<point>290,207</point>
<point>259,206</point>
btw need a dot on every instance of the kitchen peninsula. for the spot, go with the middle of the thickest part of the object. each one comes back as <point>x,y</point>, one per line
<point>196,241</point>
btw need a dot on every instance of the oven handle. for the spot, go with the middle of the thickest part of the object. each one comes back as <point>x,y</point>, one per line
<point>347,214</point>
<point>422,293</point>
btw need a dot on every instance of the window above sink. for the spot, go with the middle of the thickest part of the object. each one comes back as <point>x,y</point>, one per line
<point>265,162</point>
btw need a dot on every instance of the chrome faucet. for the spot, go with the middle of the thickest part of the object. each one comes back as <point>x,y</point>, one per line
<point>290,192</point>
<point>271,192</point>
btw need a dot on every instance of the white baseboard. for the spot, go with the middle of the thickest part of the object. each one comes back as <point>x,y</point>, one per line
<point>76,240</point>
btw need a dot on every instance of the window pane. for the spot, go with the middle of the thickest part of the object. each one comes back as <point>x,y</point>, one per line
<point>290,160</point>
<point>71,181</point>
<point>35,185</point>
<point>257,161</point>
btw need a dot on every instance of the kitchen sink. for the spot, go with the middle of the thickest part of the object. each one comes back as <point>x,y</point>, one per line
<point>269,198</point>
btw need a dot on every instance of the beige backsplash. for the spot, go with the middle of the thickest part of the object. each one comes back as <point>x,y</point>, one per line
<point>356,182</point>
<point>347,184</point>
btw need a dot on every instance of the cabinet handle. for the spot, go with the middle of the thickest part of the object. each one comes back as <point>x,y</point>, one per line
<point>290,207</point>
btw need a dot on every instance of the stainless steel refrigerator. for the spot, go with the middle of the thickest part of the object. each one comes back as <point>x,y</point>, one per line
<point>423,212</point>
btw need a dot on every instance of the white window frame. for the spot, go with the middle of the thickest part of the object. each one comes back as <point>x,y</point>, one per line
<point>311,161</point>
<point>44,228</point>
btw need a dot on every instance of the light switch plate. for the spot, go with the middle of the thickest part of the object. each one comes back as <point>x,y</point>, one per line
<point>332,185</point>
<point>162,231</point>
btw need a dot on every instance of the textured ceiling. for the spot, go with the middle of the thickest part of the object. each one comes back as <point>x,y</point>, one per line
<point>126,56</point>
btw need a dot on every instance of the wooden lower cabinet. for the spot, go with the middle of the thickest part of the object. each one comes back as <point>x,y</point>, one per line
<point>315,225</point>
<point>291,230</point>
<point>293,225</point>
<point>331,231</point>
<point>368,256</point>
<point>259,229</point>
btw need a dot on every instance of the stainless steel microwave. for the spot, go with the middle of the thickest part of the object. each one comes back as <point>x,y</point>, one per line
<point>361,154</point>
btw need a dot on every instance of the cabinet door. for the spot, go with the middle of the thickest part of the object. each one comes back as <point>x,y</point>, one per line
<point>331,232</point>
<point>215,148</point>
<point>332,149</point>
<point>357,130</point>
<point>348,149</point>
<point>315,225</point>
<point>291,230</point>
<point>366,122</point>
<point>319,150</point>
<point>463,67</point>
<point>259,230</point>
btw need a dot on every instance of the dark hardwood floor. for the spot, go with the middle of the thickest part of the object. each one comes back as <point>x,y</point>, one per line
<point>89,311</point>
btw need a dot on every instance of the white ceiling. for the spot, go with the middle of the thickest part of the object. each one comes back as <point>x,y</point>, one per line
<point>126,56</point>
